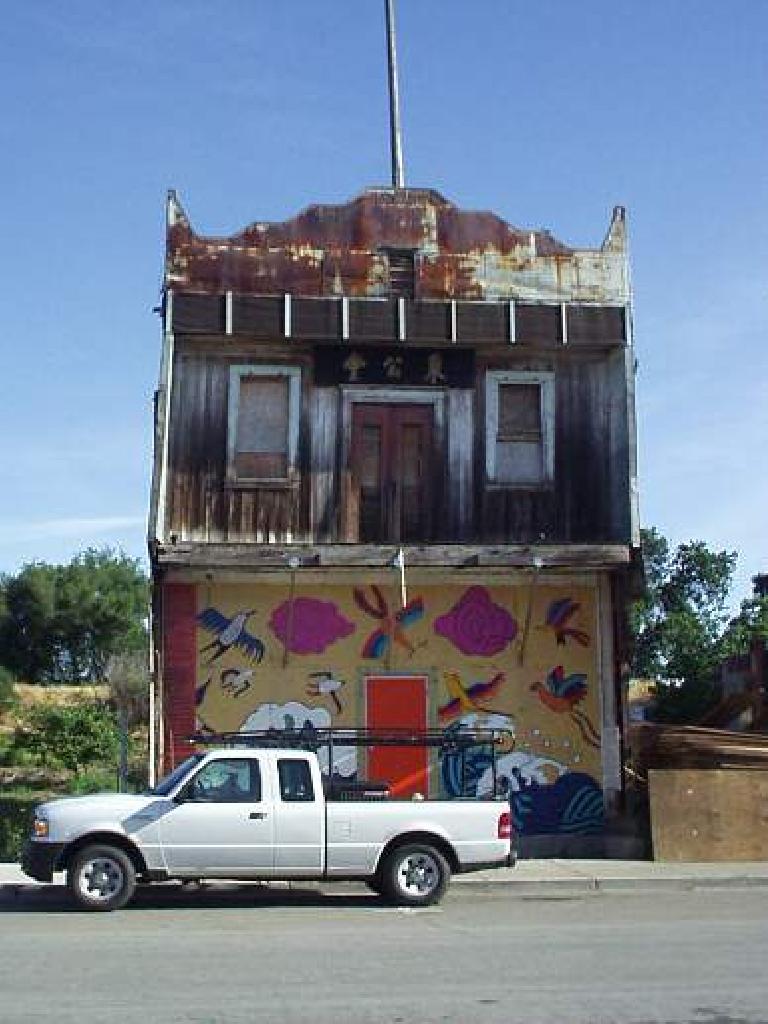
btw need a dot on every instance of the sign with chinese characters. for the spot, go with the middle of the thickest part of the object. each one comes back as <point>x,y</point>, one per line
<point>394,365</point>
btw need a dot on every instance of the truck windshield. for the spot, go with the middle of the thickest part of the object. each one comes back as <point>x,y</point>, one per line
<point>165,785</point>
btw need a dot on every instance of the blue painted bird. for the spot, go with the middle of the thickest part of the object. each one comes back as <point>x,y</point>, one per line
<point>229,633</point>
<point>559,615</point>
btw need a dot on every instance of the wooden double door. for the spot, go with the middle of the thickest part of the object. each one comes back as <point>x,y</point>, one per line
<point>392,472</point>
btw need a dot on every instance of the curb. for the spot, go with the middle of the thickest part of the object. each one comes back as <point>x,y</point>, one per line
<point>560,887</point>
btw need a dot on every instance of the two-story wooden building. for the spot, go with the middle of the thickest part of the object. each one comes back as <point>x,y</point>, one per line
<point>395,485</point>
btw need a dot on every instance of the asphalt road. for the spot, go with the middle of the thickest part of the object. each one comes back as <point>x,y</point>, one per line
<point>251,954</point>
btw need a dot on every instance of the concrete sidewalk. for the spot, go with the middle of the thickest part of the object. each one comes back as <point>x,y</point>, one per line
<point>563,877</point>
<point>570,877</point>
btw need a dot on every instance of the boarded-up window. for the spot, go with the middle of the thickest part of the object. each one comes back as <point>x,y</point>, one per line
<point>519,432</point>
<point>263,422</point>
<point>519,412</point>
<point>261,445</point>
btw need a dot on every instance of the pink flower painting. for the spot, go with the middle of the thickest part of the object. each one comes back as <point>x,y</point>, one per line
<point>476,625</point>
<point>314,625</point>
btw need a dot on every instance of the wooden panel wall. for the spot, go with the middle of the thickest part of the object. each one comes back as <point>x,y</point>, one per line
<point>201,506</point>
<point>589,501</point>
<point>581,451</point>
<point>708,814</point>
<point>324,451</point>
<point>459,485</point>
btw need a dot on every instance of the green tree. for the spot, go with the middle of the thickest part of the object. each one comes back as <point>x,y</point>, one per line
<point>62,623</point>
<point>679,624</point>
<point>27,639</point>
<point>750,625</point>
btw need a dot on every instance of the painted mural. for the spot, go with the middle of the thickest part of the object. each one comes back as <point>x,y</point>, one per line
<point>522,658</point>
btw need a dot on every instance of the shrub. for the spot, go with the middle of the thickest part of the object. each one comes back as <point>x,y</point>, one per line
<point>67,737</point>
<point>93,780</point>
<point>15,822</point>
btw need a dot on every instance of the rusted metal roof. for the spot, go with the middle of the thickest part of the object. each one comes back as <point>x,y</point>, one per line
<point>342,250</point>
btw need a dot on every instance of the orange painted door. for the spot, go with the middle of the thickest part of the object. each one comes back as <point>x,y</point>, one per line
<point>398,702</point>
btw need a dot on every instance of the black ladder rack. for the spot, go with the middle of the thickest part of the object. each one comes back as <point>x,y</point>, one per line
<point>312,738</point>
<point>452,740</point>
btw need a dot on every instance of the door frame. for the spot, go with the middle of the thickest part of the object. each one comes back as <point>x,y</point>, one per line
<point>351,396</point>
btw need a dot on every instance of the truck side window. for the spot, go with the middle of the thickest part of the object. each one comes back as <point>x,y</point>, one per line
<point>295,780</point>
<point>227,780</point>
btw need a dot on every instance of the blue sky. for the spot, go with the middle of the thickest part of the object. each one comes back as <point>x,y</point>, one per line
<point>547,113</point>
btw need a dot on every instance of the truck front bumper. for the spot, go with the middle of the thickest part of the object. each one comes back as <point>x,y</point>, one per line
<point>40,860</point>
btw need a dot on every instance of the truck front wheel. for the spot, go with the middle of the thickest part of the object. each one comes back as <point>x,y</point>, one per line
<point>414,875</point>
<point>101,878</point>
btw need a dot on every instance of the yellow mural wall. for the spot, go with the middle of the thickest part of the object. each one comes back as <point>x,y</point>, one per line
<point>259,652</point>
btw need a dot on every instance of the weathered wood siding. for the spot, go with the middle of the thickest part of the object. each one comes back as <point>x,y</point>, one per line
<point>588,502</point>
<point>324,457</point>
<point>201,505</point>
<point>459,484</point>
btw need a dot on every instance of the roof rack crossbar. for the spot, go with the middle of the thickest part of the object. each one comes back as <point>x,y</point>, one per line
<point>312,738</point>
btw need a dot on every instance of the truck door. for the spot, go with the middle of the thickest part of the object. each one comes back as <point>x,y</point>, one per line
<point>222,822</point>
<point>299,819</point>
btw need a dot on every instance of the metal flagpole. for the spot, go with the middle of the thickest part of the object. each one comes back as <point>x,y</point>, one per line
<point>398,174</point>
<point>400,563</point>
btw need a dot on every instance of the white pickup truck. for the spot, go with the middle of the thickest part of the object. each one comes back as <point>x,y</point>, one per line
<point>259,813</point>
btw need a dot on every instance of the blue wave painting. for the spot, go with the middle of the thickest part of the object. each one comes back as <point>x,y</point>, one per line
<point>573,805</point>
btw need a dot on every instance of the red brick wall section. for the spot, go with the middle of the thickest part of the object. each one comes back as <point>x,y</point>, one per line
<point>179,669</point>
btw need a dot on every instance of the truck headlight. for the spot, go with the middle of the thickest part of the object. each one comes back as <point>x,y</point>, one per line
<point>40,828</point>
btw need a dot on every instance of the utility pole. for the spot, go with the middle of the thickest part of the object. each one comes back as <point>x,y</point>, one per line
<point>398,175</point>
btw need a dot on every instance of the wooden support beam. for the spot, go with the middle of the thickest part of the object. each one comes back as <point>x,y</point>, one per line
<point>252,557</point>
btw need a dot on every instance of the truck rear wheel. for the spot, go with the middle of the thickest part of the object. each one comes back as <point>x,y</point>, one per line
<point>101,878</point>
<point>414,875</point>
